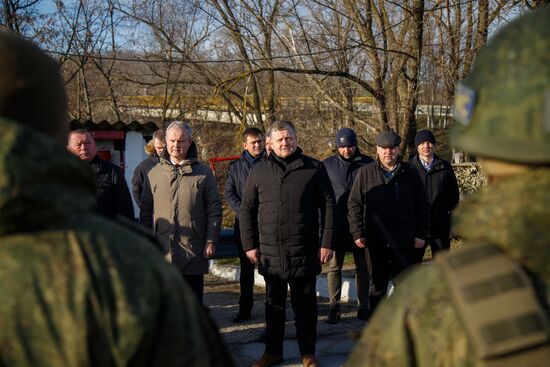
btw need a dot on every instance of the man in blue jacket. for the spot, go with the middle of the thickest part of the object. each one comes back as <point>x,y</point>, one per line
<point>254,152</point>
<point>342,169</point>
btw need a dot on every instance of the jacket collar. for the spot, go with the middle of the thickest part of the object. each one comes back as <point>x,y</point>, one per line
<point>250,159</point>
<point>357,157</point>
<point>294,161</point>
<point>436,165</point>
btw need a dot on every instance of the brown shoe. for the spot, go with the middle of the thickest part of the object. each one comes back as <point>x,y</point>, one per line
<point>309,360</point>
<point>267,360</point>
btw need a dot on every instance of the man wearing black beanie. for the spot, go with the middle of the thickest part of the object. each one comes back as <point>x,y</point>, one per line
<point>441,188</point>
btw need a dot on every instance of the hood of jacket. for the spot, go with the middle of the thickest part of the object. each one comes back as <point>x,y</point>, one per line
<point>514,214</point>
<point>41,184</point>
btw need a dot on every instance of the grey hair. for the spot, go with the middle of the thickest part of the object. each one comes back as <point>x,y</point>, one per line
<point>280,125</point>
<point>181,125</point>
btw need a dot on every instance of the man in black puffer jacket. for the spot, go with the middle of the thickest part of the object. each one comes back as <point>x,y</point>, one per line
<point>388,213</point>
<point>439,180</point>
<point>288,201</point>
<point>342,169</point>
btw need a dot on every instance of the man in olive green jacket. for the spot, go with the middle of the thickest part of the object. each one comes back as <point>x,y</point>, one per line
<point>181,202</point>
<point>486,304</point>
<point>77,289</point>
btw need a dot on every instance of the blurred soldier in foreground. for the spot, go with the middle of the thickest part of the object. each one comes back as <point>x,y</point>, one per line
<point>486,304</point>
<point>77,289</point>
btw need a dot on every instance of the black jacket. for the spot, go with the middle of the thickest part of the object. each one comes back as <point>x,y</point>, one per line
<point>113,196</point>
<point>284,205</point>
<point>236,180</point>
<point>140,173</point>
<point>342,174</point>
<point>399,203</point>
<point>442,191</point>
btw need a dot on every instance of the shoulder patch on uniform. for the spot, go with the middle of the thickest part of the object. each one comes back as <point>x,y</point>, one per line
<point>496,300</point>
<point>464,103</point>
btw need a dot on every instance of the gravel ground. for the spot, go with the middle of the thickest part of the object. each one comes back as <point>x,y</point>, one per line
<point>334,341</point>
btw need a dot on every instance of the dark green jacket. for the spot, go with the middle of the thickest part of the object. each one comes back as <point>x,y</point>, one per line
<point>77,289</point>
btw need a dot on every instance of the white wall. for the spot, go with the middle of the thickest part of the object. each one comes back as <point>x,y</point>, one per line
<point>133,156</point>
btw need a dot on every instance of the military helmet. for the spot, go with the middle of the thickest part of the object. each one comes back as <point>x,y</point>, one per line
<point>502,108</point>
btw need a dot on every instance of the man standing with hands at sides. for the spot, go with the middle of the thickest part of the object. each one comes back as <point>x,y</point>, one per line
<point>342,169</point>
<point>288,201</point>
<point>388,213</point>
<point>182,204</point>
<point>254,152</point>
<point>441,188</point>
<point>112,193</point>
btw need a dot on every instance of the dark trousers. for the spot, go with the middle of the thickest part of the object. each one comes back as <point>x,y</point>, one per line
<point>436,244</point>
<point>246,277</point>
<point>304,304</point>
<point>196,282</point>
<point>387,263</point>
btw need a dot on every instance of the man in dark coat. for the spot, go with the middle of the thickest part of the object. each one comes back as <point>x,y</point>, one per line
<point>112,194</point>
<point>253,144</point>
<point>288,201</point>
<point>388,212</point>
<point>342,169</point>
<point>154,149</point>
<point>441,187</point>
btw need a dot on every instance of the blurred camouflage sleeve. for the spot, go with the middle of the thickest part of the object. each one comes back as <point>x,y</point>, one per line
<point>416,326</point>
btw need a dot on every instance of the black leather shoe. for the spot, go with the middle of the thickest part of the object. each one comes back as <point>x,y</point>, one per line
<point>333,316</point>
<point>363,315</point>
<point>268,360</point>
<point>241,317</point>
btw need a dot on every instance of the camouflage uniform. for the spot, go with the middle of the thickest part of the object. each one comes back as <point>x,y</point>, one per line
<point>426,322</point>
<point>80,290</point>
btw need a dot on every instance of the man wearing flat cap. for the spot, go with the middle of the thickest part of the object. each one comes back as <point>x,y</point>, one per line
<point>441,187</point>
<point>388,213</point>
